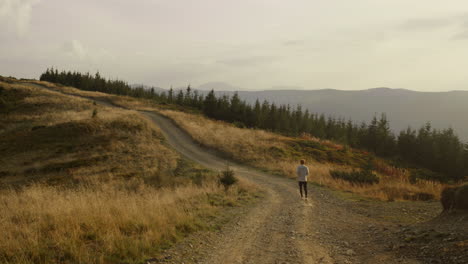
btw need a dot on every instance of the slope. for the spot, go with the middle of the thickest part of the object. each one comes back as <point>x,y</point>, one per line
<point>282,229</point>
<point>82,182</point>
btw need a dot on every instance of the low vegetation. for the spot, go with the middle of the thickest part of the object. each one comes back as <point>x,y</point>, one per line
<point>85,183</point>
<point>50,137</point>
<point>455,198</point>
<point>112,222</point>
<point>356,176</point>
<point>227,178</point>
<point>279,154</point>
<point>440,151</point>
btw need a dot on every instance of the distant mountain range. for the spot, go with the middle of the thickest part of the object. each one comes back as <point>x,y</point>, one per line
<point>403,107</point>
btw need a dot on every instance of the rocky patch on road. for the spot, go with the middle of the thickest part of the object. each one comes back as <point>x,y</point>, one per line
<point>443,240</point>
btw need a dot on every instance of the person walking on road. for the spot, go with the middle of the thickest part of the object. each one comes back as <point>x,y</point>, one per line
<point>302,172</point>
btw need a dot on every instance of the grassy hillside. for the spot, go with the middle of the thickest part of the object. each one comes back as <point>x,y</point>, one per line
<point>279,154</point>
<point>432,154</point>
<point>81,182</point>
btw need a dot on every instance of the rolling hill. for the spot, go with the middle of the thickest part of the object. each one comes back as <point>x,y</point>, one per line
<point>376,229</point>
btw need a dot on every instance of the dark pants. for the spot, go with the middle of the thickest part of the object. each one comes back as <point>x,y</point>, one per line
<point>303,184</point>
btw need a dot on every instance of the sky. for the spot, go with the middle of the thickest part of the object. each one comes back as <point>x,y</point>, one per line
<point>252,44</point>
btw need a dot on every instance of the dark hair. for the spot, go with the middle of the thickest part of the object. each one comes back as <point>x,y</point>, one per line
<point>302,161</point>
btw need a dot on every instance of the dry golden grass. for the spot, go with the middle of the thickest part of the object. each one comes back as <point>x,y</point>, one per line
<point>246,145</point>
<point>254,147</point>
<point>49,135</point>
<point>271,152</point>
<point>81,189</point>
<point>123,101</point>
<point>113,222</point>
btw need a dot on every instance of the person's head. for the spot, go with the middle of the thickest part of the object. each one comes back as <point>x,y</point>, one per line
<point>302,161</point>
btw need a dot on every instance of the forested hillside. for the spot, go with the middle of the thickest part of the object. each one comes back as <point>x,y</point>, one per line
<point>441,152</point>
<point>403,107</point>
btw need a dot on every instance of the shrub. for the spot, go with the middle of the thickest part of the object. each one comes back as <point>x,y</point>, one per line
<point>277,152</point>
<point>318,155</point>
<point>455,198</point>
<point>94,113</point>
<point>198,178</point>
<point>239,124</point>
<point>419,196</point>
<point>227,179</point>
<point>424,174</point>
<point>336,157</point>
<point>358,177</point>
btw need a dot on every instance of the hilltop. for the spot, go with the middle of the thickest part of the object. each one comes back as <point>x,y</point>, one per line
<point>82,181</point>
<point>371,226</point>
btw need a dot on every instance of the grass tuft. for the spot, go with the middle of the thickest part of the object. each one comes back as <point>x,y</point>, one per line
<point>227,178</point>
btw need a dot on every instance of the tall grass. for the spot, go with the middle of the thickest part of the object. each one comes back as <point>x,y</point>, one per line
<point>48,136</point>
<point>271,152</point>
<point>100,223</point>
<point>105,189</point>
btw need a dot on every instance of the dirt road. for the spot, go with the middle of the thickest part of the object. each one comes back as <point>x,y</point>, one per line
<point>276,231</point>
<point>281,228</point>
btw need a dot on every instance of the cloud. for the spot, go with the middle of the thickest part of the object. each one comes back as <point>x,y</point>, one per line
<point>15,15</point>
<point>74,49</point>
<point>464,33</point>
<point>293,42</point>
<point>248,61</point>
<point>461,36</point>
<point>427,24</point>
<point>456,22</point>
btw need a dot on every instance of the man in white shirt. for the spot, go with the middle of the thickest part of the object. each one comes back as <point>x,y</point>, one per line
<point>302,172</point>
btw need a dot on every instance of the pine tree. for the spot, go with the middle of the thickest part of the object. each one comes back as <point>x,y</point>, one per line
<point>188,96</point>
<point>371,140</point>
<point>180,98</point>
<point>257,114</point>
<point>195,100</point>
<point>170,95</point>
<point>235,108</point>
<point>385,141</point>
<point>209,104</point>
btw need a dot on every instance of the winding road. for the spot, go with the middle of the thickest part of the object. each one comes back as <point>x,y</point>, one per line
<point>276,231</point>
<point>281,228</point>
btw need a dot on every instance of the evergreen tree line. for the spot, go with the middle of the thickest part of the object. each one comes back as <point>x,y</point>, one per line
<point>440,151</point>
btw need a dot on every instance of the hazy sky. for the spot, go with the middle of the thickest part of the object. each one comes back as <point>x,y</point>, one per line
<point>254,44</point>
